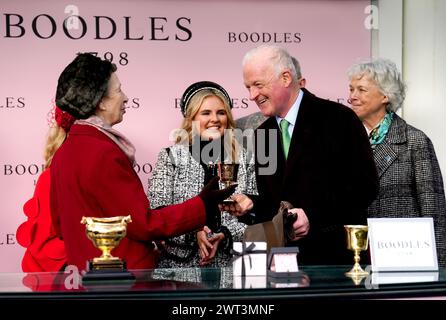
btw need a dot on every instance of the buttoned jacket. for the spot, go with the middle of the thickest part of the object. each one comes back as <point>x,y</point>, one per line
<point>410,180</point>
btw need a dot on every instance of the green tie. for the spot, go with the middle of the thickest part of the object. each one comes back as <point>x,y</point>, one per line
<point>285,136</point>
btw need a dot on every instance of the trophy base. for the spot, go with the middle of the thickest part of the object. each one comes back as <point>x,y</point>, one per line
<point>106,264</point>
<point>107,270</point>
<point>356,272</point>
<point>357,279</point>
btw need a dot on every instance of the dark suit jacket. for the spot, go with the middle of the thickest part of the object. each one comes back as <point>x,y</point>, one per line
<point>330,173</point>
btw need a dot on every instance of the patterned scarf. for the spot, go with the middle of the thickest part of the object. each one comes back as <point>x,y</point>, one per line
<point>123,143</point>
<point>378,134</point>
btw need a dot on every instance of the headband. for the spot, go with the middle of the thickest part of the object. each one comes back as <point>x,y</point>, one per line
<point>197,87</point>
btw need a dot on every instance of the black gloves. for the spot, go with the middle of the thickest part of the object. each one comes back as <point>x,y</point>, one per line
<point>212,196</point>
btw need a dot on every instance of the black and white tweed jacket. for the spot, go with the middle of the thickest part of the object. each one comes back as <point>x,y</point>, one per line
<point>177,177</point>
<point>410,180</point>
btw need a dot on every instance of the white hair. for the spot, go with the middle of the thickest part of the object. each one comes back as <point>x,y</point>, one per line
<point>386,76</point>
<point>279,58</point>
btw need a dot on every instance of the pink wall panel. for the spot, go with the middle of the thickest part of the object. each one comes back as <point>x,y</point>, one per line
<point>179,42</point>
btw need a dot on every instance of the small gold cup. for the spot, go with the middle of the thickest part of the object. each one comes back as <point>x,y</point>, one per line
<point>228,173</point>
<point>228,176</point>
<point>106,233</point>
<point>357,241</point>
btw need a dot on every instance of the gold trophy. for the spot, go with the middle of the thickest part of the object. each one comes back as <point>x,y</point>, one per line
<point>357,241</point>
<point>106,233</point>
<point>228,176</point>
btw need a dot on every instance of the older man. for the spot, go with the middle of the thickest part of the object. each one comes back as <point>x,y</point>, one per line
<point>324,164</point>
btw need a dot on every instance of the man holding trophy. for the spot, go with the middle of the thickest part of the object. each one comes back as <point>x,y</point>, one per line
<point>322,160</point>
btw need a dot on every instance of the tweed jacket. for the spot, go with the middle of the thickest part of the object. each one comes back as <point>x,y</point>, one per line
<point>410,180</point>
<point>251,121</point>
<point>177,176</point>
<point>329,173</point>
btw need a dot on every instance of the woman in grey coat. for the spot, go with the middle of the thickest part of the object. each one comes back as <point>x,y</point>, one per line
<point>411,184</point>
<point>182,169</point>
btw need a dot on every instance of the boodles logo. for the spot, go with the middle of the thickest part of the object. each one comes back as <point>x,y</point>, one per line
<point>265,37</point>
<point>75,26</point>
<point>238,103</point>
<point>22,169</point>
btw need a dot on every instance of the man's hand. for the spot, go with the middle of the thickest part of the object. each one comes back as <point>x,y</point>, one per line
<point>301,226</point>
<point>243,204</point>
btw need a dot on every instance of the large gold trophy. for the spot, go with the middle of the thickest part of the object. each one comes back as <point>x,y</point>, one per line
<point>106,233</point>
<point>357,241</point>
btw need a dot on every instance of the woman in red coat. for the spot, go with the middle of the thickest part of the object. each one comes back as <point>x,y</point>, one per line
<point>92,173</point>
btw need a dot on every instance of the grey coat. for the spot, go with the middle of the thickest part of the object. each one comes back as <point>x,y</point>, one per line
<point>410,180</point>
<point>251,121</point>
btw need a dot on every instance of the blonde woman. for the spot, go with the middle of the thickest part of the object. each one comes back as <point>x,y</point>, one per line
<point>182,170</point>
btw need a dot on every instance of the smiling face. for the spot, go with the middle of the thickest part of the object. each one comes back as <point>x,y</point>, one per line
<point>112,106</point>
<point>212,117</point>
<point>270,92</point>
<point>367,100</point>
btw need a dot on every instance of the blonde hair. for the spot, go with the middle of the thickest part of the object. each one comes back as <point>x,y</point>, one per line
<point>56,136</point>
<point>193,107</point>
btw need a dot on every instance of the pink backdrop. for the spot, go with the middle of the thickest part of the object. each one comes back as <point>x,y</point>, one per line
<point>179,42</point>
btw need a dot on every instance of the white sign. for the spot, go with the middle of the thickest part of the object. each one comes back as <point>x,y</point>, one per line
<point>403,277</point>
<point>402,244</point>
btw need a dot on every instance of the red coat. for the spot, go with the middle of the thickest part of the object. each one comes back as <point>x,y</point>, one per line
<point>91,176</point>
<point>45,252</point>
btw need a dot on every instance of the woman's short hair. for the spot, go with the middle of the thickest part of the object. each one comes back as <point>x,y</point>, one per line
<point>386,76</point>
<point>82,85</point>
